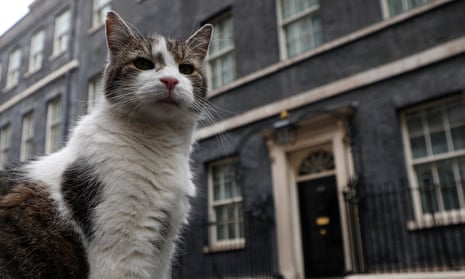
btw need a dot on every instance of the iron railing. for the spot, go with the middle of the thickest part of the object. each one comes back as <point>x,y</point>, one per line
<point>401,228</point>
<point>250,257</point>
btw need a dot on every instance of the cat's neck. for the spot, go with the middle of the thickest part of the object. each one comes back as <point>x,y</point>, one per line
<point>139,128</point>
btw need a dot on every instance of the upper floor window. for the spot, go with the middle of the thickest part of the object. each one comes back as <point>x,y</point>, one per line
<point>27,137</point>
<point>53,132</point>
<point>62,33</point>
<point>434,136</point>
<point>225,203</point>
<point>14,64</point>
<point>95,91</point>
<point>5,135</point>
<point>101,7</point>
<point>395,7</point>
<point>37,51</point>
<point>221,61</point>
<point>300,26</point>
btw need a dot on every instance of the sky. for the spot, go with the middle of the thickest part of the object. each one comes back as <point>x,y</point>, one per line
<point>13,11</point>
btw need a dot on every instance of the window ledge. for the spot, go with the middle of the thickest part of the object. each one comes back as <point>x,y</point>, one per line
<point>95,28</point>
<point>224,246</point>
<point>56,55</point>
<point>30,73</point>
<point>9,88</point>
<point>440,219</point>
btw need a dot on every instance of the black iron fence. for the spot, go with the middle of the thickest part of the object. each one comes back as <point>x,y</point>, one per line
<point>393,228</point>
<point>249,256</point>
<point>397,228</point>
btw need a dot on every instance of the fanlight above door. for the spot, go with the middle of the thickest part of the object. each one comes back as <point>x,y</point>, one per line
<point>317,162</point>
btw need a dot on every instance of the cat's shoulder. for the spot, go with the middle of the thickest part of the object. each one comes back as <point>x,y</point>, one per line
<point>15,189</point>
<point>34,242</point>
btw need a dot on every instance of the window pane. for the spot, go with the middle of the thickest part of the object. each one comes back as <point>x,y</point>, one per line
<point>298,36</point>
<point>220,214</point>
<point>317,30</point>
<point>395,7</point>
<point>418,146</point>
<point>292,7</point>
<point>435,120</point>
<point>220,232</point>
<point>456,113</point>
<point>461,165</point>
<point>227,68</point>
<point>439,142</point>
<point>448,185</point>
<point>426,188</point>
<point>414,123</point>
<point>458,137</point>
<point>229,181</point>
<point>232,231</point>
<point>216,184</point>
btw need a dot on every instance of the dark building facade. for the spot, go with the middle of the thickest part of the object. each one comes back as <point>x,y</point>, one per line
<point>334,145</point>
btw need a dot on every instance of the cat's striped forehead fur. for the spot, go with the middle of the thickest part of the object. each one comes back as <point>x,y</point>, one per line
<point>142,69</point>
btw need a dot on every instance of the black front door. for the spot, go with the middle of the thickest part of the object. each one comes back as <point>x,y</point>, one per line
<point>321,227</point>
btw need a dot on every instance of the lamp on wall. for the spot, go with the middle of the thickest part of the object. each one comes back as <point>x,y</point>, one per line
<point>285,129</point>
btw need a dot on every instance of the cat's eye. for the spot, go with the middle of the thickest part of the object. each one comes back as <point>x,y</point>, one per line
<point>143,64</point>
<point>186,69</point>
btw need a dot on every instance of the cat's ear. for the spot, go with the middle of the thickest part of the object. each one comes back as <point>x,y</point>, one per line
<point>118,32</point>
<point>200,40</point>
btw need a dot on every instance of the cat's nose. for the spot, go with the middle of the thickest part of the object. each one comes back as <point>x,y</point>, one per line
<point>170,82</point>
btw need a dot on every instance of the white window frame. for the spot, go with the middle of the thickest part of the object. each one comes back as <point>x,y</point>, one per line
<point>27,137</point>
<point>215,55</point>
<point>54,121</point>
<point>95,91</point>
<point>36,52</point>
<point>282,23</point>
<point>5,141</point>
<point>441,216</point>
<point>405,7</point>
<point>100,9</point>
<point>61,36</point>
<point>230,243</point>
<point>14,67</point>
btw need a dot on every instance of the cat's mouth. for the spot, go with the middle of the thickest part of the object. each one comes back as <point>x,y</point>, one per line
<point>168,101</point>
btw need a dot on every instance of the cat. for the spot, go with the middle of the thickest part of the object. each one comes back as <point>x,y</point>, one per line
<point>111,203</point>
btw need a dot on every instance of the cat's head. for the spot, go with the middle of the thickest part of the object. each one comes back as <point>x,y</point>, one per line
<point>155,76</point>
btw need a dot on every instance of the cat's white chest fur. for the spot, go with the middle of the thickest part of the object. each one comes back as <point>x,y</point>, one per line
<point>145,200</point>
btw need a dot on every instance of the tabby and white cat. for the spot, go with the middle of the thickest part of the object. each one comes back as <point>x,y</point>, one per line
<point>111,203</point>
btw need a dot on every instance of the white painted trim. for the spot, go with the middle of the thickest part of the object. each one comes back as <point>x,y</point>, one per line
<point>367,31</point>
<point>39,84</point>
<point>327,132</point>
<point>341,86</point>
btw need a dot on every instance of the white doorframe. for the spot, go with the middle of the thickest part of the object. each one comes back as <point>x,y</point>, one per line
<point>326,130</point>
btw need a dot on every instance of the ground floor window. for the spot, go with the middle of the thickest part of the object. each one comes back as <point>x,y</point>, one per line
<point>225,203</point>
<point>434,136</point>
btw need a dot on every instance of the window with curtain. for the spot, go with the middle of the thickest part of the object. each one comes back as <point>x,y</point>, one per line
<point>62,33</point>
<point>36,51</point>
<point>301,28</point>
<point>221,60</point>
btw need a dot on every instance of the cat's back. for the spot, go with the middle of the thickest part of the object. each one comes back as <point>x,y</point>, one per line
<point>34,242</point>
